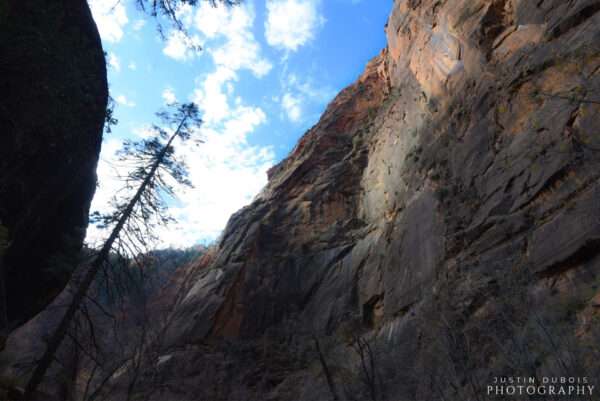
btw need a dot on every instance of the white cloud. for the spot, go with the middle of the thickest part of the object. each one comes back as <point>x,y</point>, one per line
<point>144,131</point>
<point>168,96</point>
<point>226,170</point>
<point>185,13</point>
<point>132,66</point>
<point>122,99</point>
<point>318,93</point>
<point>291,106</point>
<point>110,17</point>
<point>291,24</point>
<point>180,46</point>
<point>228,173</point>
<point>139,24</point>
<point>113,61</point>
<point>298,94</point>
<point>238,51</point>
<point>211,97</point>
<point>212,21</point>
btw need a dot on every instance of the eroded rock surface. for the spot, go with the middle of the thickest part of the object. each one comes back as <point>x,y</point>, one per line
<point>447,197</point>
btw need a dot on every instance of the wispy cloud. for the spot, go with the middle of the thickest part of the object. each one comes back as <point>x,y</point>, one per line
<point>122,100</point>
<point>291,24</point>
<point>212,97</point>
<point>298,94</point>
<point>110,17</point>
<point>233,47</point>
<point>291,106</point>
<point>114,62</point>
<point>181,46</point>
<point>139,24</point>
<point>227,173</point>
<point>227,170</point>
<point>169,96</point>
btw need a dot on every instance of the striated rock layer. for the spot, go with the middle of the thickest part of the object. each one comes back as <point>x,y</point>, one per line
<point>445,211</point>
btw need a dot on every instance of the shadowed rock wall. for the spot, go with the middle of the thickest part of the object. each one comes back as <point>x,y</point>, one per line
<point>54,90</point>
<point>445,199</point>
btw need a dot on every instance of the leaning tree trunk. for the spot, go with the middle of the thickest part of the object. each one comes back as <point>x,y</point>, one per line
<point>54,98</point>
<point>98,261</point>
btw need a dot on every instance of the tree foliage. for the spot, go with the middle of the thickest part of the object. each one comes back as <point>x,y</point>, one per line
<point>169,9</point>
<point>152,159</point>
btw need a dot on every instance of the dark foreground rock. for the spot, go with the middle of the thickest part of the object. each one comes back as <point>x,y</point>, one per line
<point>54,95</point>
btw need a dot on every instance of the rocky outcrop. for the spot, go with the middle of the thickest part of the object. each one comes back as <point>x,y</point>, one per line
<point>445,200</point>
<point>117,319</point>
<point>53,82</point>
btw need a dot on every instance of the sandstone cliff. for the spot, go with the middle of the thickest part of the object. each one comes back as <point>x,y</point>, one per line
<point>447,198</point>
<point>441,223</point>
<point>54,89</point>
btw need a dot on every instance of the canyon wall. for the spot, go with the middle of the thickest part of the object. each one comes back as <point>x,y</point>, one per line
<point>54,88</point>
<point>445,205</point>
<point>439,225</point>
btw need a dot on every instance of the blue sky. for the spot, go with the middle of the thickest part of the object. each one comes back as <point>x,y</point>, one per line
<point>267,70</point>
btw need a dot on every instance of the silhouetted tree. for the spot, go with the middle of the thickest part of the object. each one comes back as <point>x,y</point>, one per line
<point>155,171</point>
<point>170,10</point>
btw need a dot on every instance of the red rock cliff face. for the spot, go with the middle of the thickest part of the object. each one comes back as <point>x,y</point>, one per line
<point>448,189</point>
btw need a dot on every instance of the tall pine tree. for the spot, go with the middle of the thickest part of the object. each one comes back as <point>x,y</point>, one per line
<point>133,222</point>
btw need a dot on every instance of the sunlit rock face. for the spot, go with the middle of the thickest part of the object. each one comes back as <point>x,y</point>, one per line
<point>54,90</point>
<point>453,185</point>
